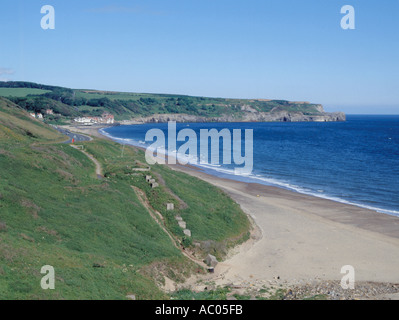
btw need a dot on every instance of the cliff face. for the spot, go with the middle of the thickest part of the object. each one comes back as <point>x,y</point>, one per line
<point>248,114</point>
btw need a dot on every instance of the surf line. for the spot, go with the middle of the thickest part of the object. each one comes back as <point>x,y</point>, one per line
<point>209,143</point>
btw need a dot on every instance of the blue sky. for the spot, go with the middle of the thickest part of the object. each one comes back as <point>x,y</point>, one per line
<point>274,49</point>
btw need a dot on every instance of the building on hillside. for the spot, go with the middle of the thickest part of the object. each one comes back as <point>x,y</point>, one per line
<point>36,115</point>
<point>106,118</point>
<point>49,111</point>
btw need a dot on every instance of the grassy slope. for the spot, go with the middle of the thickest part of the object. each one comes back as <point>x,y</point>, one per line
<point>20,92</point>
<point>17,126</point>
<point>68,103</point>
<point>204,106</point>
<point>42,187</point>
<point>213,218</point>
<point>53,211</point>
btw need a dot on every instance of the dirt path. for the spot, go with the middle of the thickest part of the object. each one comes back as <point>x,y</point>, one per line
<point>182,204</point>
<point>99,171</point>
<point>159,219</point>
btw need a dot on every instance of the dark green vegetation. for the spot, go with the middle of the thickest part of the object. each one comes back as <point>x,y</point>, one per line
<point>69,103</point>
<point>96,233</point>
<point>21,92</point>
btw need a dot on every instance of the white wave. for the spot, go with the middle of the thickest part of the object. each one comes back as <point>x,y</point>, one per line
<point>282,184</point>
<point>252,177</point>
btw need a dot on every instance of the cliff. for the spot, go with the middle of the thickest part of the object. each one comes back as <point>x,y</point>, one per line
<point>67,104</point>
<point>248,114</point>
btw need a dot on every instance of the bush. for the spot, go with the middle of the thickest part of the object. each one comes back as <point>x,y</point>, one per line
<point>187,242</point>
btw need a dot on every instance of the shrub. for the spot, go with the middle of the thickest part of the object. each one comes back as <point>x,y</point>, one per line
<point>187,242</point>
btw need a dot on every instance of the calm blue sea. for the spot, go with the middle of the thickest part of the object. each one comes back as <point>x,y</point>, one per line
<point>355,162</point>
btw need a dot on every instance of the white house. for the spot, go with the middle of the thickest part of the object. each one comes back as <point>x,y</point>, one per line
<point>105,118</point>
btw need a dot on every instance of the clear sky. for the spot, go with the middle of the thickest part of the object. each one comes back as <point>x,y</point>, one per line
<point>274,49</point>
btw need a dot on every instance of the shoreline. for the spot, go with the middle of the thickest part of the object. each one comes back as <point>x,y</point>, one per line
<point>304,238</point>
<point>231,176</point>
<point>304,243</point>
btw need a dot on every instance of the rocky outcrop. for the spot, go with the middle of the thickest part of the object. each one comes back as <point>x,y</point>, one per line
<point>248,114</point>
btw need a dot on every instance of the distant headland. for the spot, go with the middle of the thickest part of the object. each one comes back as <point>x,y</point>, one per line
<point>63,105</point>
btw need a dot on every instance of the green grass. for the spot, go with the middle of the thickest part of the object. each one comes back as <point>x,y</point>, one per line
<point>17,126</point>
<point>94,94</point>
<point>21,92</point>
<point>57,213</point>
<point>54,211</point>
<point>90,108</point>
<point>210,214</point>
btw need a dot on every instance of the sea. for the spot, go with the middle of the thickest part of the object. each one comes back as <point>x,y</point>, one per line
<point>354,162</point>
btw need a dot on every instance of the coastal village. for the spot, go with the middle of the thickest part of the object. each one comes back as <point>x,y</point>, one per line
<point>106,118</point>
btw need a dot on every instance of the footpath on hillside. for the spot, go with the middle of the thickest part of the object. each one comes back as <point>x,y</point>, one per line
<point>99,170</point>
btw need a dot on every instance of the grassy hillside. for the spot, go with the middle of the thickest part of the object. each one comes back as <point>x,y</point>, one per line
<point>216,222</point>
<point>96,233</point>
<point>17,126</point>
<point>21,92</point>
<point>69,103</point>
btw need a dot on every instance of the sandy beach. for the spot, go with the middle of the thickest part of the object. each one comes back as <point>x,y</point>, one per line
<point>299,238</point>
<point>305,238</point>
